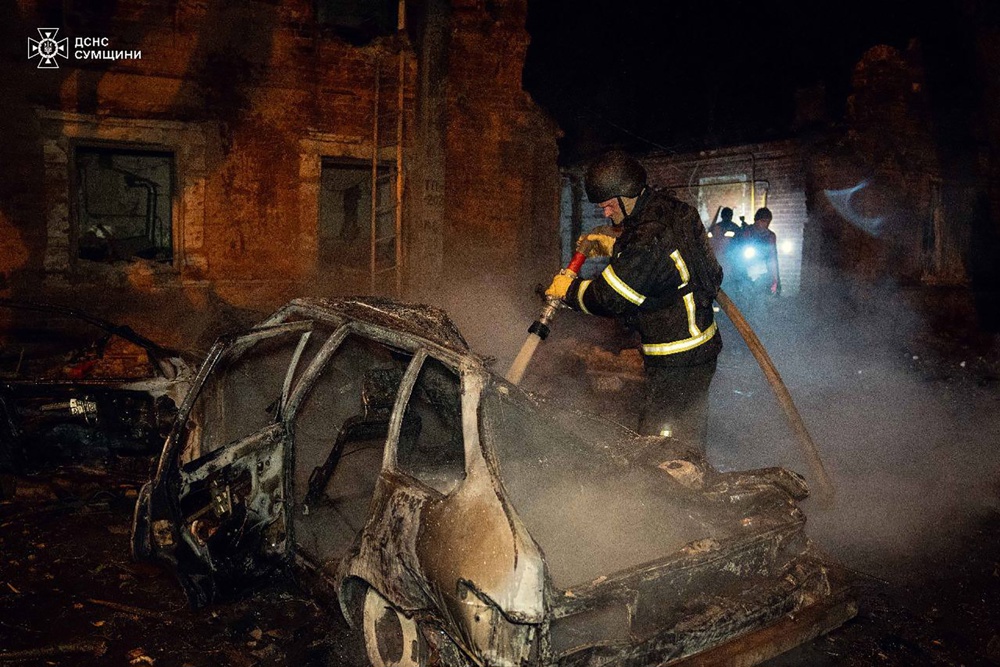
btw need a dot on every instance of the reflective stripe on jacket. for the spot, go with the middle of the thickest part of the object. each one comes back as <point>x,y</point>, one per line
<point>661,280</point>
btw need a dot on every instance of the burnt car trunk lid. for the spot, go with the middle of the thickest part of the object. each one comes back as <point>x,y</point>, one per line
<point>681,604</point>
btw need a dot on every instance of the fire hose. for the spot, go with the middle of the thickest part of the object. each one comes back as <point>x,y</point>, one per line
<point>539,331</point>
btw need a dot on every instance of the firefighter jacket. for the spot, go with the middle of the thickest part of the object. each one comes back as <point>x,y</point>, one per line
<point>661,281</point>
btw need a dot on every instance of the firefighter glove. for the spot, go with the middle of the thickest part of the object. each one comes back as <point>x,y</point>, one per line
<point>595,244</point>
<point>560,285</point>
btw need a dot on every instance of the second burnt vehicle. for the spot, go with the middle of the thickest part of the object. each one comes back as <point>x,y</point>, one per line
<point>458,520</point>
<point>74,387</point>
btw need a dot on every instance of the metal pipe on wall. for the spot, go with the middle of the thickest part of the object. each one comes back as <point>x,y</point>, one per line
<point>400,26</point>
<point>374,193</point>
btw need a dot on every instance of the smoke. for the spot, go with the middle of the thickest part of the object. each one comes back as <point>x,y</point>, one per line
<point>903,428</point>
<point>493,315</point>
<point>892,403</point>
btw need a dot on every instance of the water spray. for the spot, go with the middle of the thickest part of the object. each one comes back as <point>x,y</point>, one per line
<point>539,329</point>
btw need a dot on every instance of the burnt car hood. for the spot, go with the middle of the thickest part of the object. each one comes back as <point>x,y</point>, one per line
<point>168,366</point>
<point>74,386</point>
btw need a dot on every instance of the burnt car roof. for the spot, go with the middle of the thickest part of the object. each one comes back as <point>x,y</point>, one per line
<point>423,321</point>
<point>124,331</point>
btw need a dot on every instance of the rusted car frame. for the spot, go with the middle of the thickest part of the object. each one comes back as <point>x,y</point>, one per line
<point>360,443</point>
<point>85,400</point>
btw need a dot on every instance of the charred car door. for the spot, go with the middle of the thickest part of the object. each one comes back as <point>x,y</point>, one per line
<point>424,461</point>
<point>217,507</point>
<point>369,399</point>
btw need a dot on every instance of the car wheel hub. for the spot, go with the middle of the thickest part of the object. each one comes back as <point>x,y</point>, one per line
<point>390,638</point>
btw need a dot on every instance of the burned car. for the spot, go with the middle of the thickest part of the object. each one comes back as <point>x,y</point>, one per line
<point>456,519</point>
<point>76,387</point>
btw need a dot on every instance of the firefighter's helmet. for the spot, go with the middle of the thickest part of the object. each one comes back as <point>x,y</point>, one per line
<point>614,174</point>
<point>762,214</point>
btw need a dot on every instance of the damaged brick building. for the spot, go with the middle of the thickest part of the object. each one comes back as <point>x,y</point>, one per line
<point>200,157</point>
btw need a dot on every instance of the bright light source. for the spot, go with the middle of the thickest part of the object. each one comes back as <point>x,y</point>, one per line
<point>787,247</point>
<point>749,252</point>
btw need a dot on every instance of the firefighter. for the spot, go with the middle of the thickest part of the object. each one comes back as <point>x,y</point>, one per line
<point>759,247</point>
<point>725,227</point>
<point>661,281</point>
<point>722,237</point>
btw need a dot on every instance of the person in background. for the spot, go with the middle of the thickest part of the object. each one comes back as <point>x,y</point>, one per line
<point>759,248</point>
<point>725,227</point>
<point>722,236</point>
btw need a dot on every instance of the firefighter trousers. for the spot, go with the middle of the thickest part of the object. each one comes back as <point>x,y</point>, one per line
<point>676,402</point>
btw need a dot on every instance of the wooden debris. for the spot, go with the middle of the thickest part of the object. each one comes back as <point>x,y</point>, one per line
<point>129,609</point>
<point>97,648</point>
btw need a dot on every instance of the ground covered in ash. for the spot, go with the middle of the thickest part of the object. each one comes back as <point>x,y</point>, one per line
<point>905,411</point>
<point>71,595</point>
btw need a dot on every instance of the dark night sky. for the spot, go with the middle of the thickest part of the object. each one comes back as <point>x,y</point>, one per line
<point>684,75</point>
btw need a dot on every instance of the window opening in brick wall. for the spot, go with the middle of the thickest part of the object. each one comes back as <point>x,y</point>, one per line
<point>123,204</point>
<point>358,21</point>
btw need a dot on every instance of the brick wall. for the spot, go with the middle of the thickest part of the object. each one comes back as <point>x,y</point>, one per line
<point>502,180</point>
<point>745,178</point>
<point>249,98</point>
<point>887,207</point>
